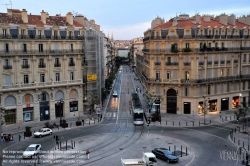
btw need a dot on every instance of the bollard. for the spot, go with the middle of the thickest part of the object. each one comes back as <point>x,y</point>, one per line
<point>173,123</point>
<point>174,149</point>
<point>74,144</point>
<point>58,127</point>
<point>66,145</point>
<point>169,148</point>
<point>199,123</point>
<point>19,138</point>
<point>248,147</point>
<point>222,119</point>
<point>89,122</point>
<point>243,145</point>
<point>186,123</point>
<point>166,123</point>
<point>71,144</point>
<point>238,142</point>
<point>94,121</point>
<point>60,145</point>
<point>193,123</point>
<point>98,120</point>
<point>179,123</point>
<point>186,151</point>
<point>83,122</point>
<point>181,150</point>
<point>234,139</point>
<point>210,121</point>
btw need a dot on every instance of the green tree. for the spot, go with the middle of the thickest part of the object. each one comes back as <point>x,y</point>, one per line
<point>241,114</point>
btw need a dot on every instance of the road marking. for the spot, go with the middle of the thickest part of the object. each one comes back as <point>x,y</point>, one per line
<point>119,102</point>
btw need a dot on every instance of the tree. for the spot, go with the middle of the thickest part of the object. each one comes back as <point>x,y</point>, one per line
<point>241,114</point>
<point>2,121</point>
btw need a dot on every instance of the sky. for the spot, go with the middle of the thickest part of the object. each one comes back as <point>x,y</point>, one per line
<point>128,19</point>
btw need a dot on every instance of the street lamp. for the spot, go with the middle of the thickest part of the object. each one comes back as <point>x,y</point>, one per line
<point>61,110</point>
<point>240,99</point>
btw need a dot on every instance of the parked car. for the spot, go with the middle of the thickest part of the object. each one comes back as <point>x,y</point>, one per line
<point>115,94</point>
<point>32,150</point>
<point>165,154</point>
<point>43,132</point>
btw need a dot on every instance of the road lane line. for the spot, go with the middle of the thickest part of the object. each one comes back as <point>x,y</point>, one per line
<point>119,96</point>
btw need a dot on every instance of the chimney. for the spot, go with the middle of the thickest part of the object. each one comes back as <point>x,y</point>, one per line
<point>223,19</point>
<point>247,20</point>
<point>207,18</point>
<point>24,16</point>
<point>156,22</point>
<point>79,19</point>
<point>69,18</point>
<point>231,19</point>
<point>43,17</point>
<point>174,22</point>
<point>9,11</point>
<point>197,19</point>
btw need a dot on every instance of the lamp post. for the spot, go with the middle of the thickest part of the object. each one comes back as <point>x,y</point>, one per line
<point>61,107</point>
<point>240,99</point>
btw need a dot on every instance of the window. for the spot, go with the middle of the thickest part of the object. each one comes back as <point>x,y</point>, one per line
<point>55,34</point>
<point>201,45</point>
<point>26,79</point>
<point>244,57</point>
<point>57,62</point>
<point>6,49</point>
<point>249,58</point>
<point>168,75</point>
<point>41,61</point>
<point>70,33</point>
<point>169,59</point>
<point>40,47</point>
<point>243,85</point>
<point>228,72</point>
<point>5,32</point>
<point>22,32</point>
<point>187,45</point>
<point>186,75</point>
<point>8,80</point>
<point>222,45</point>
<point>71,76</point>
<point>24,48</point>
<point>71,47</point>
<point>186,91</point>
<point>209,45</point>
<point>221,72</point>
<point>71,60</point>
<point>215,89</point>
<point>57,76</point>
<point>42,77</point>
<point>208,89</point>
<point>228,87</point>
<point>25,62</point>
<point>157,76</point>
<point>7,62</point>
<point>39,34</point>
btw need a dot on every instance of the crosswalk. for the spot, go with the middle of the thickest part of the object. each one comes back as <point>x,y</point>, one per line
<point>110,114</point>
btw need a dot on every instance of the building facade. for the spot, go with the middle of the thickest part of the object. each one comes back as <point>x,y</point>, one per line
<point>192,61</point>
<point>41,59</point>
<point>136,47</point>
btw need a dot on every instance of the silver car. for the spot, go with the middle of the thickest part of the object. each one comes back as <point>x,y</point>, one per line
<point>43,132</point>
<point>32,150</point>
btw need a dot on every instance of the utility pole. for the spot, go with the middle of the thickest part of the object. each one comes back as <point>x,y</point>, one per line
<point>6,5</point>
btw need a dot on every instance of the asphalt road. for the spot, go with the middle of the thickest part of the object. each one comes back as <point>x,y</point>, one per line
<point>117,137</point>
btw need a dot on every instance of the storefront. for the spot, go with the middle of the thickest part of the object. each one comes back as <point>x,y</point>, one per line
<point>10,116</point>
<point>44,106</point>
<point>212,105</point>
<point>187,107</point>
<point>224,104</point>
<point>28,114</point>
<point>200,107</point>
<point>235,102</point>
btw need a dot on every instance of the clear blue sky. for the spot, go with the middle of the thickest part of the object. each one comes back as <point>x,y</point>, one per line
<point>128,19</point>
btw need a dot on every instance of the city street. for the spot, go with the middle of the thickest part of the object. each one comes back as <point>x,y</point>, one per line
<point>116,137</point>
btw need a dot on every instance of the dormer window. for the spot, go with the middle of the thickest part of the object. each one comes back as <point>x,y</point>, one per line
<point>4,32</point>
<point>39,34</point>
<point>22,32</point>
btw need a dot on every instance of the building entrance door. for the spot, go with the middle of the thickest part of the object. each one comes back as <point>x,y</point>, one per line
<point>171,101</point>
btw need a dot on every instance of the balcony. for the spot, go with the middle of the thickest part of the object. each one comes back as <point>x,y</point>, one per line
<point>222,62</point>
<point>157,63</point>
<point>37,52</point>
<point>57,65</point>
<point>41,65</point>
<point>186,63</point>
<point>6,67</point>
<point>228,61</point>
<point>235,61</point>
<point>201,63</point>
<point>216,62</point>
<point>215,79</point>
<point>187,37</point>
<point>209,63</point>
<point>172,63</point>
<point>71,63</point>
<point>40,85</point>
<point>26,66</point>
<point>216,36</point>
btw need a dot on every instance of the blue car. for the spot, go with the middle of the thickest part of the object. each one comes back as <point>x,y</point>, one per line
<point>165,154</point>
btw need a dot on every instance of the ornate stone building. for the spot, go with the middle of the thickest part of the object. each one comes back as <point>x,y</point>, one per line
<point>189,61</point>
<point>41,58</point>
<point>136,47</point>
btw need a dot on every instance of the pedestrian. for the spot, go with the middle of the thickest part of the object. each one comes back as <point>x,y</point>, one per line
<point>87,153</point>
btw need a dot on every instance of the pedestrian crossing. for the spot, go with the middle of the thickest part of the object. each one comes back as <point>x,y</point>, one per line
<point>111,114</point>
